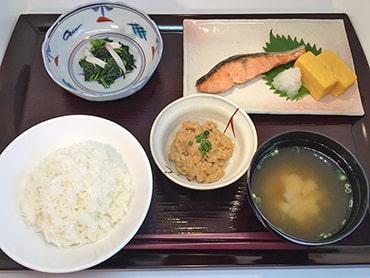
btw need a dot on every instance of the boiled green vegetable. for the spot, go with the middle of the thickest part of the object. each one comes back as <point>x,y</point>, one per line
<point>103,66</point>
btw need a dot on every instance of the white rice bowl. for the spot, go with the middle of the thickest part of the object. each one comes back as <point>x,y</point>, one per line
<point>29,248</point>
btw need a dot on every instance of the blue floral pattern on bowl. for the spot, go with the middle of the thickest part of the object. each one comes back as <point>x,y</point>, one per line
<point>71,33</point>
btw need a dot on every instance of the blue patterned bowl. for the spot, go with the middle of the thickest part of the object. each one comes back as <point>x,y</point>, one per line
<point>70,35</point>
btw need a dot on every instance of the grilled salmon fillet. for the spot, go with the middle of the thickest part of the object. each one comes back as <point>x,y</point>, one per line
<point>241,68</point>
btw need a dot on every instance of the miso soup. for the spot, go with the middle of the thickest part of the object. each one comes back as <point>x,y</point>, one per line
<point>302,192</point>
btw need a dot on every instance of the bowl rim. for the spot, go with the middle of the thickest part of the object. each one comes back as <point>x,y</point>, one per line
<point>320,139</point>
<point>118,93</point>
<point>194,185</point>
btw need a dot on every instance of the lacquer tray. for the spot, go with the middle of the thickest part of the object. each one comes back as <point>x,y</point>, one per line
<point>184,228</point>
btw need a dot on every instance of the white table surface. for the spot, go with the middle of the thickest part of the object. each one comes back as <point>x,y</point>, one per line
<point>357,10</point>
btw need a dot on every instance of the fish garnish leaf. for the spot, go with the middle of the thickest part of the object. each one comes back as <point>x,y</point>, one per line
<point>281,43</point>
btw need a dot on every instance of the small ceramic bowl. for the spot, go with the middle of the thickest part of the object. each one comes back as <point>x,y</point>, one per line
<point>70,35</point>
<point>313,180</point>
<point>235,123</point>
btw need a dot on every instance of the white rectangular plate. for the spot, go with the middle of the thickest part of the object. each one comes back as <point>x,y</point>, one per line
<point>207,42</point>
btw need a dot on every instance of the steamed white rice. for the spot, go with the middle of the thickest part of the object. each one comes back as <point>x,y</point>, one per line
<point>76,194</point>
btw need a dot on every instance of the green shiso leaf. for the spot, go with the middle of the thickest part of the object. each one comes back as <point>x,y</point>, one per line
<point>281,43</point>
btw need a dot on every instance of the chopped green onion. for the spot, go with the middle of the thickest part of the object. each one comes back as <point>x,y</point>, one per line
<point>341,176</point>
<point>205,144</point>
<point>296,149</point>
<point>325,235</point>
<point>202,136</point>
<point>275,152</point>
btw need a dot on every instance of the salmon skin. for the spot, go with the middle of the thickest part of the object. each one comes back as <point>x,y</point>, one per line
<point>241,68</point>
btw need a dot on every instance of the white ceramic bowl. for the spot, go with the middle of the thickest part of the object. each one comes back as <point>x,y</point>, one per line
<point>29,248</point>
<point>71,33</point>
<point>203,107</point>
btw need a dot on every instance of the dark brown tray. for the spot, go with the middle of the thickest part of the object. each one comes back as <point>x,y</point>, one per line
<point>183,228</point>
